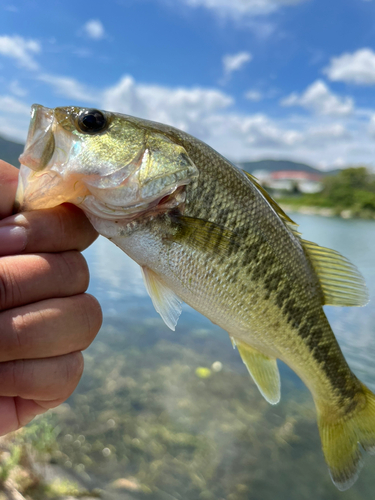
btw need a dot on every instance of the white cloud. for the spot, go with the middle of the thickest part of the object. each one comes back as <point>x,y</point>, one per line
<point>240,8</point>
<point>318,98</point>
<point>14,118</point>
<point>254,95</point>
<point>94,29</point>
<point>326,134</point>
<point>234,62</point>
<point>20,49</point>
<point>358,67</point>
<point>12,105</point>
<point>69,87</point>
<point>181,107</point>
<point>16,88</point>
<point>371,127</point>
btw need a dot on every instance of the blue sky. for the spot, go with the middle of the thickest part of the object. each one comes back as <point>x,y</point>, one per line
<point>255,79</point>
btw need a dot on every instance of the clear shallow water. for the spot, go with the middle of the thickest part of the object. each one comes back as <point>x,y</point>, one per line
<point>176,431</point>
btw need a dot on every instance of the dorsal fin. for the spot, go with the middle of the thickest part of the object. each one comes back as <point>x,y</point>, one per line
<point>280,212</point>
<point>165,301</point>
<point>341,282</point>
<point>263,370</point>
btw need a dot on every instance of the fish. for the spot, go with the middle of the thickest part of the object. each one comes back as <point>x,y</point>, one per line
<point>206,233</point>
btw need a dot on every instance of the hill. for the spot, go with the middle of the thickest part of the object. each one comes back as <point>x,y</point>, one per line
<point>277,165</point>
<point>10,151</point>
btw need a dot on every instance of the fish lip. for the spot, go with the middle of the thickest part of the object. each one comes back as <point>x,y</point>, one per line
<point>39,133</point>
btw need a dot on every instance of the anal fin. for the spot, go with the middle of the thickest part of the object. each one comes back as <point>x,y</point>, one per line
<point>165,301</point>
<point>263,370</point>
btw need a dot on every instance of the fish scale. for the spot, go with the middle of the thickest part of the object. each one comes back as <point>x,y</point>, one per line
<point>206,233</point>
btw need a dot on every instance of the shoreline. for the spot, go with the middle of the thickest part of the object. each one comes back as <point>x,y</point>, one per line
<point>326,212</point>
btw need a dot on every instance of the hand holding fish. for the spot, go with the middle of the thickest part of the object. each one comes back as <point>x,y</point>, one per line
<point>46,319</point>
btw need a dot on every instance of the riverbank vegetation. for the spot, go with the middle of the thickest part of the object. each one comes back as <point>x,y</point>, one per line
<point>350,193</point>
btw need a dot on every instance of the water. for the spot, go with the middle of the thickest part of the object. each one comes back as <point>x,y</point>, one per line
<point>174,415</point>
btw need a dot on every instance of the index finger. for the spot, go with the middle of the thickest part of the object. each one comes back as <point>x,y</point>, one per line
<point>8,187</point>
<point>57,229</point>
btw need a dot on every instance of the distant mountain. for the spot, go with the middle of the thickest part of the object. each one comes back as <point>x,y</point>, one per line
<point>277,165</point>
<point>10,151</point>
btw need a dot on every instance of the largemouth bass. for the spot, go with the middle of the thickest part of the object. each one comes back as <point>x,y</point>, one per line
<point>206,233</point>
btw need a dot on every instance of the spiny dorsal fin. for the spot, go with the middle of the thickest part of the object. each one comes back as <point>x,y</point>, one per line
<point>280,212</point>
<point>341,282</point>
<point>165,301</point>
<point>263,370</point>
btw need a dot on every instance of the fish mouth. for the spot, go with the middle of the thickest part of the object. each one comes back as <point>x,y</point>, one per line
<point>41,184</point>
<point>40,142</point>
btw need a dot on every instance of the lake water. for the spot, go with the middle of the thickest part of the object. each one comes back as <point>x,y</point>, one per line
<point>174,415</point>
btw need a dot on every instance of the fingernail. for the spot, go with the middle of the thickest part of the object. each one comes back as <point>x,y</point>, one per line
<point>13,239</point>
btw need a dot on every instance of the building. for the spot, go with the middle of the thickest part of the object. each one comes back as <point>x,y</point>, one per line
<point>290,180</point>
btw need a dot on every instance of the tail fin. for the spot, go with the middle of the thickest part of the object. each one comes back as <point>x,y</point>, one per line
<point>340,441</point>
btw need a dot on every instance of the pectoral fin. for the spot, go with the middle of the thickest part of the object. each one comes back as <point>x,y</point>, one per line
<point>165,301</point>
<point>263,370</point>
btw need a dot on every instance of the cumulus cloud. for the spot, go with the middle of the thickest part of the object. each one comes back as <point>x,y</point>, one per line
<point>20,49</point>
<point>358,67</point>
<point>319,99</point>
<point>240,8</point>
<point>326,134</point>
<point>254,95</point>
<point>259,133</point>
<point>234,62</point>
<point>94,29</point>
<point>69,87</point>
<point>181,107</point>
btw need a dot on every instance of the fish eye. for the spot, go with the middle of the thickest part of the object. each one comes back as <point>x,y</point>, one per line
<point>91,121</point>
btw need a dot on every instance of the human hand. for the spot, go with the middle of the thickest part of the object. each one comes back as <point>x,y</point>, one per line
<point>46,319</point>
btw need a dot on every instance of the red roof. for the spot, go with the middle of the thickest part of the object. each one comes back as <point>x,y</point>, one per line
<point>299,175</point>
